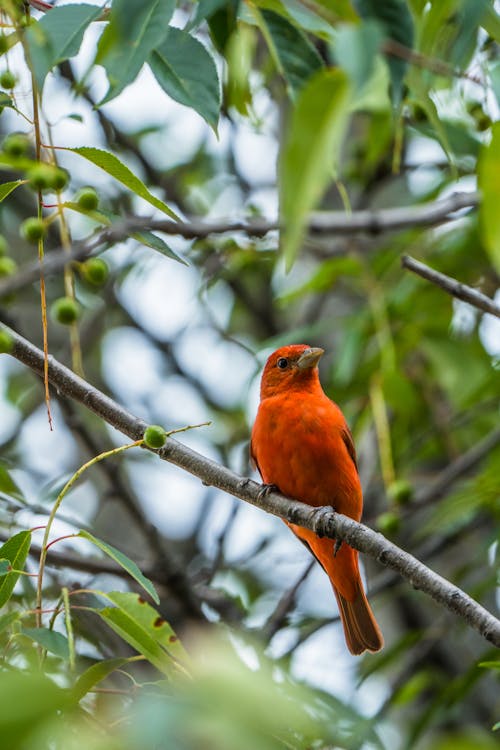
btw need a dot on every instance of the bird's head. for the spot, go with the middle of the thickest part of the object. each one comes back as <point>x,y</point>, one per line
<point>290,367</point>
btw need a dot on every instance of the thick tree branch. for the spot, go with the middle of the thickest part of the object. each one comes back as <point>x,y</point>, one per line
<point>452,286</point>
<point>323,521</point>
<point>321,223</point>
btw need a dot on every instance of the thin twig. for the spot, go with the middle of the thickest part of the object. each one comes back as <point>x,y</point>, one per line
<point>323,521</point>
<point>452,286</point>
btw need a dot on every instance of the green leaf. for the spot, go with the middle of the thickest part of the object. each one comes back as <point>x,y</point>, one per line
<point>27,701</point>
<point>489,185</point>
<point>125,562</point>
<point>310,152</point>
<point>58,36</point>
<point>95,674</point>
<point>156,243</point>
<point>135,28</point>
<point>114,167</point>
<point>396,23</point>
<point>296,58</point>
<point>140,625</point>
<point>5,567</point>
<point>16,550</point>
<point>356,48</point>
<point>56,643</point>
<point>205,9</point>
<point>8,487</point>
<point>7,619</point>
<point>7,187</point>
<point>187,73</point>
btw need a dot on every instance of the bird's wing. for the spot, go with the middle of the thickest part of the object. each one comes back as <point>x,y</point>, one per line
<point>349,444</point>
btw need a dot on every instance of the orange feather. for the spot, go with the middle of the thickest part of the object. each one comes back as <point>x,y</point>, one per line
<point>301,443</point>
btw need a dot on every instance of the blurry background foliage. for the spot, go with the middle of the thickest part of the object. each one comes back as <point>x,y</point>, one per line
<point>223,111</point>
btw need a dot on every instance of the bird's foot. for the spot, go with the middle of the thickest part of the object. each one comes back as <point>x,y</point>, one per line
<point>266,489</point>
<point>318,515</point>
<point>337,546</point>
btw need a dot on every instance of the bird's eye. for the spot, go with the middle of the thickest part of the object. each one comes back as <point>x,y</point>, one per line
<point>282,363</point>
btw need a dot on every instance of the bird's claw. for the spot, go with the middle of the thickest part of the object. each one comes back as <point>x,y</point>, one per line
<point>318,514</point>
<point>265,490</point>
<point>337,546</point>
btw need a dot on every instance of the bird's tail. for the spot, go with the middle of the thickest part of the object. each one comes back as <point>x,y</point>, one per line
<point>361,630</point>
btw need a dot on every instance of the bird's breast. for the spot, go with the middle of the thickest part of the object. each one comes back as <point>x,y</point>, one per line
<point>298,445</point>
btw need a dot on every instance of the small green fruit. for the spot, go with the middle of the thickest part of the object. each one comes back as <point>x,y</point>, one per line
<point>16,144</point>
<point>400,491</point>
<point>47,177</point>
<point>155,436</point>
<point>65,310</point>
<point>95,271</point>
<point>33,229</point>
<point>60,179</point>
<point>388,523</point>
<point>6,342</point>
<point>87,199</point>
<point>8,266</point>
<point>40,176</point>
<point>7,79</point>
<point>3,245</point>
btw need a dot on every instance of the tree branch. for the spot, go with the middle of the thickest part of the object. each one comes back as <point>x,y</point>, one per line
<point>321,223</point>
<point>452,286</point>
<point>323,521</point>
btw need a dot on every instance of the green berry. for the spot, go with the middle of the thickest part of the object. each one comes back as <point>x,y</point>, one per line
<point>7,266</point>
<point>3,245</point>
<point>155,436</point>
<point>47,177</point>
<point>7,79</point>
<point>6,342</point>
<point>400,491</point>
<point>65,310</point>
<point>60,179</point>
<point>16,144</point>
<point>40,176</point>
<point>33,229</point>
<point>95,271</point>
<point>87,199</point>
<point>388,523</point>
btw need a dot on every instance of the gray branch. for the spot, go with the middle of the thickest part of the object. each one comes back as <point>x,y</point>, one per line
<point>328,223</point>
<point>323,521</point>
<point>452,286</point>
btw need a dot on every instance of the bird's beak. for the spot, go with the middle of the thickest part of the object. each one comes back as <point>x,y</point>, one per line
<point>310,358</point>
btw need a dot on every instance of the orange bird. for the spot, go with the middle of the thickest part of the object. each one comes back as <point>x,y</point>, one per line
<point>301,444</point>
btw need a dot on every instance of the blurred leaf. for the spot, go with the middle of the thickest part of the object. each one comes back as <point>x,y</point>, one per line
<point>56,643</point>
<point>240,51</point>
<point>310,152</point>
<point>95,674</point>
<point>7,619</point>
<point>187,73</point>
<point>489,215</point>
<point>323,278</point>
<point>146,631</point>
<point>57,36</point>
<point>114,167</point>
<point>16,550</point>
<point>134,29</point>
<point>296,58</point>
<point>222,24</point>
<point>125,562</point>
<point>6,188</point>
<point>356,48</point>
<point>396,23</point>
<point>152,240</point>
<point>8,487</point>
<point>27,700</point>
